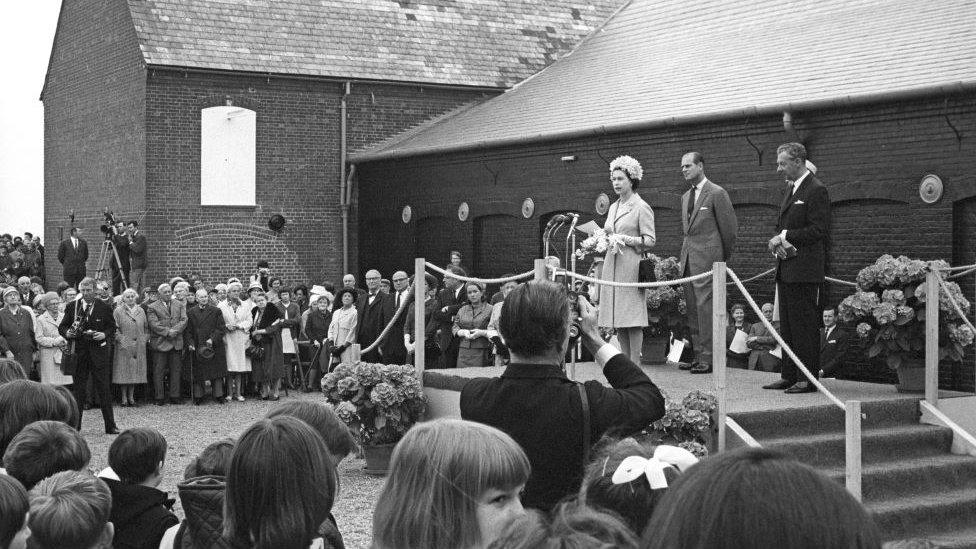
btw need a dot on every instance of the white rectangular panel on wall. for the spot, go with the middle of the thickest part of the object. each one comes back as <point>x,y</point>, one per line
<point>227,156</point>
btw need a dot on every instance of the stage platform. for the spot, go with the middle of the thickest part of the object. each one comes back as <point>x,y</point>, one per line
<point>744,388</point>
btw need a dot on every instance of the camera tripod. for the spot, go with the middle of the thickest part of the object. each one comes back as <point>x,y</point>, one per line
<point>106,254</point>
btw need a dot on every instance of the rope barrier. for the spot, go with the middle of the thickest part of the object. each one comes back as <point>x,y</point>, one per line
<point>386,331</point>
<point>657,284</point>
<point>959,268</point>
<point>964,273</point>
<point>755,277</point>
<point>955,305</point>
<point>839,281</point>
<point>782,344</point>
<point>520,276</point>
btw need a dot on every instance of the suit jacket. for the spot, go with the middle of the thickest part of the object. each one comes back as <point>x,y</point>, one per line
<point>71,259</point>
<point>540,408</point>
<point>372,318</point>
<point>201,325</point>
<point>832,350</point>
<point>710,234</point>
<point>805,215</point>
<point>100,319</point>
<point>453,300</point>
<point>121,243</point>
<point>163,317</point>
<point>759,357</point>
<point>137,251</point>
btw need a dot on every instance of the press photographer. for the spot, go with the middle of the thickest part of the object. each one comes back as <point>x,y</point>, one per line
<point>115,234</point>
<point>89,325</point>
<point>552,417</point>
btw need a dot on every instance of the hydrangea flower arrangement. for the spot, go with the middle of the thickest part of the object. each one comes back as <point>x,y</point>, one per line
<point>686,423</point>
<point>378,401</point>
<point>665,302</point>
<point>888,309</point>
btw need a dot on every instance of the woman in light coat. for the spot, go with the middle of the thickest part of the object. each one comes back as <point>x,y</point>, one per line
<point>342,329</point>
<point>131,336</point>
<point>237,317</point>
<point>49,340</point>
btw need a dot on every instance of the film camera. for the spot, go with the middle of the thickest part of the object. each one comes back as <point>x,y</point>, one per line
<point>575,327</point>
<point>109,228</point>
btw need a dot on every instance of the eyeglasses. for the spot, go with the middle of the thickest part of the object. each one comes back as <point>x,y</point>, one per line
<point>400,279</point>
<point>373,278</point>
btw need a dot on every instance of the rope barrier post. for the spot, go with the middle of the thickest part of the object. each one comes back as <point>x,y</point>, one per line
<point>852,434</point>
<point>932,338</point>
<point>419,320</point>
<point>540,269</point>
<point>974,369</point>
<point>355,353</point>
<point>718,346</point>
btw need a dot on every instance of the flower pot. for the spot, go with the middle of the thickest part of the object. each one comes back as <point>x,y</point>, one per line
<point>911,376</point>
<point>377,459</point>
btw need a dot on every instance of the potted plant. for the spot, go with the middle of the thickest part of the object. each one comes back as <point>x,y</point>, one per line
<point>666,307</point>
<point>379,402</point>
<point>687,423</point>
<point>889,310</point>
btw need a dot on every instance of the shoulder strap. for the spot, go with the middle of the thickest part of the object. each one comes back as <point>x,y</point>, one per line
<point>585,404</point>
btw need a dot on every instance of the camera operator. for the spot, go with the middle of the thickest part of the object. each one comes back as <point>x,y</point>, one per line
<point>90,324</point>
<point>120,241</point>
<point>543,410</point>
<point>137,254</point>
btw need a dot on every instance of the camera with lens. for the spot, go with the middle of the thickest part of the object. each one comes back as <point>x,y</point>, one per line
<point>77,329</point>
<point>575,328</point>
<point>108,228</point>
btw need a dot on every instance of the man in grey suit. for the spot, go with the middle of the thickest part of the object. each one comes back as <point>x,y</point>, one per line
<point>710,227</point>
<point>167,320</point>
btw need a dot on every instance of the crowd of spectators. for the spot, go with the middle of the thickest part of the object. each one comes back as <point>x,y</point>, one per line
<point>21,257</point>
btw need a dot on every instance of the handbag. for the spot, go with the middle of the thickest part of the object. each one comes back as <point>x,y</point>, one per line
<point>645,270</point>
<point>69,360</point>
<point>255,352</point>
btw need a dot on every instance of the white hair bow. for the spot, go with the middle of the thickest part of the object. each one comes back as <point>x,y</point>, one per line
<point>664,456</point>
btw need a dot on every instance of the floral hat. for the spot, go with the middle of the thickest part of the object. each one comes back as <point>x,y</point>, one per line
<point>629,165</point>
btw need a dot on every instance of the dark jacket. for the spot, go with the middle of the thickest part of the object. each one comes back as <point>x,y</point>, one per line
<point>805,215</point>
<point>317,324</point>
<point>203,504</point>
<point>137,251</point>
<point>201,325</point>
<point>140,514</point>
<point>72,260</point>
<point>832,350</point>
<point>540,408</point>
<point>373,318</point>
<point>100,319</point>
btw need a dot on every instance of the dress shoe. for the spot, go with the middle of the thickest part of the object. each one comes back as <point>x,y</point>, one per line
<point>801,387</point>
<point>160,402</point>
<point>220,400</point>
<point>779,385</point>
<point>112,431</point>
<point>274,398</point>
<point>702,369</point>
<point>197,401</point>
<point>686,365</point>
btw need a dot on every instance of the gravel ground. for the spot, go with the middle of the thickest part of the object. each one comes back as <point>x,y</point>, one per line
<point>189,429</point>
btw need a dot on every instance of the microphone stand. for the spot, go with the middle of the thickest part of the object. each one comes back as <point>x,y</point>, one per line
<point>547,234</point>
<point>571,282</point>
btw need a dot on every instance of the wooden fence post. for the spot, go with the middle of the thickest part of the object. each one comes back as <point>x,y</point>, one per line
<point>852,434</point>
<point>932,337</point>
<point>419,314</point>
<point>540,269</point>
<point>718,346</point>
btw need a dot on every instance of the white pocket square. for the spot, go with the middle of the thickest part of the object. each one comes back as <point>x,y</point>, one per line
<point>798,202</point>
<point>703,208</point>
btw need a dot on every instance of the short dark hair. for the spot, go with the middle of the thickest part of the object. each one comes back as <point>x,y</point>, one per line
<point>734,482</point>
<point>13,509</point>
<point>573,525</point>
<point>454,269</point>
<point>136,453</point>
<point>132,222</point>
<point>74,230</point>
<point>284,290</point>
<point>214,460</point>
<point>334,432</point>
<point>69,509</point>
<point>337,304</point>
<point>535,317</point>
<point>43,448</point>
<point>23,402</point>
<point>696,157</point>
<point>10,370</point>
<point>280,489</point>
<point>262,264</point>
<point>830,308</point>
<point>737,306</point>
<point>796,151</point>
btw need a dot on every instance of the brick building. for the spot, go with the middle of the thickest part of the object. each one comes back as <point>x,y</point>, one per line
<point>880,97</point>
<point>205,118</point>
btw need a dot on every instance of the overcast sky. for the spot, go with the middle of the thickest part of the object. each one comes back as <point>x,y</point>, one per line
<point>26,34</point>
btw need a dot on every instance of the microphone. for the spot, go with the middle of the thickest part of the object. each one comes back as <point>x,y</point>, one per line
<point>558,218</point>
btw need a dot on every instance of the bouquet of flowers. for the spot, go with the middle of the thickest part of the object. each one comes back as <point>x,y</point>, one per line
<point>379,401</point>
<point>889,311</point>
<point>686,423</point>
<point>598,243</point>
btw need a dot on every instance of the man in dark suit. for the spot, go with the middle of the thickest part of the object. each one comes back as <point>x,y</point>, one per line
<point>137,254</point>
<point>544,411</point>
<point>710,228</point>
<point>800,247</point>
<point>395,351</point>
<point>834,341</point>
<point>375,310</point>
<point>89,322</point>
<point>120,241</point>
<point>204,338</point>
<point>73,253</point>
<point>432,352</point>
<point>451,299</point>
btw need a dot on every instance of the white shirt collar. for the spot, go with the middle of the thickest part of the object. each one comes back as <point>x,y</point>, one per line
<point>796,184</point>
<point>700,184</point>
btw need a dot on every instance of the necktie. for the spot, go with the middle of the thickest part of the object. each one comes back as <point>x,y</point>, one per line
<point>691,202</point>
<point>398,300</point>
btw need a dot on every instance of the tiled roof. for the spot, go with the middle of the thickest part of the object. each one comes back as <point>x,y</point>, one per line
<point>675,61</point>
<point>485,43</point>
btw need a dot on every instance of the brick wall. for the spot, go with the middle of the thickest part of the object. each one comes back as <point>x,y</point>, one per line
<point>94,119</point>
<point>872,159</point>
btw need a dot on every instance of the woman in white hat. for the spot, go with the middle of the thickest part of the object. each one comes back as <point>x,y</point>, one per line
<point>237,319</point>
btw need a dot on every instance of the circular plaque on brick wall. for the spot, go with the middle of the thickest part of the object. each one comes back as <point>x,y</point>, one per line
<point>528,208</point>
<point>463,211</point>
<point>406,214</point>
<point>602,204</point>
<point>930,189</point>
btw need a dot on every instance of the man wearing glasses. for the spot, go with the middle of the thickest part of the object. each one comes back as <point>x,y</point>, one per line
<point>375,310</point>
